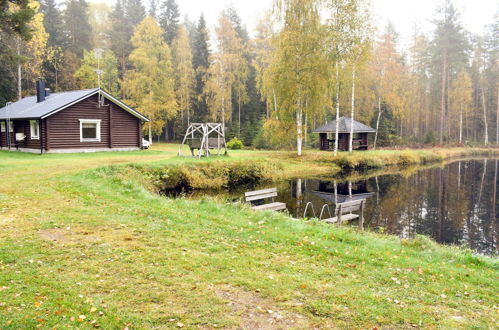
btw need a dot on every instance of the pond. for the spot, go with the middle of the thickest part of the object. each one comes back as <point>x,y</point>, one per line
<point>455,204</point>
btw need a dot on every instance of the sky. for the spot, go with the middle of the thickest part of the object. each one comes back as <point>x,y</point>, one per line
<point>404,14</point>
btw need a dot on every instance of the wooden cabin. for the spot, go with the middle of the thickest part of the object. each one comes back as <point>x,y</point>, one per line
<point>327,134</point>
<point>77,121</point>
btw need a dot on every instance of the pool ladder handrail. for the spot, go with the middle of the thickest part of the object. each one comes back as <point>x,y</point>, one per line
<point>328,210</point>
<point>306,208</point>
<point>324,207</point>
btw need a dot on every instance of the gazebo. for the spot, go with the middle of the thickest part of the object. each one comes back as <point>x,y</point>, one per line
<point>327,134</point>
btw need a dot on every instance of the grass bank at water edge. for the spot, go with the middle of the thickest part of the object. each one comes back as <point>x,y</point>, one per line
<point>85,247</point>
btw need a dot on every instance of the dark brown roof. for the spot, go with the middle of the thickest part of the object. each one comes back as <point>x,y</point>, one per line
<point>344,127</point>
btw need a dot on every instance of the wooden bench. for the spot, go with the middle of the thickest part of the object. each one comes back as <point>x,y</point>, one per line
<point>261,195</point>
<point>343,212</point>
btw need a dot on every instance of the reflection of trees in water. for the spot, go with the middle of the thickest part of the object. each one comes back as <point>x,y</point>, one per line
<point>456,204</point>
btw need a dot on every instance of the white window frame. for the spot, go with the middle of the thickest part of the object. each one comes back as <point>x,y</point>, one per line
<point>90,121</point>
<point>31,131</point>
<point>2,126</point>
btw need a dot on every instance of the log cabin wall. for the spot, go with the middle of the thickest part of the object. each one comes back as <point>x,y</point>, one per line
<point>126,128</point>
<point>63,127</point>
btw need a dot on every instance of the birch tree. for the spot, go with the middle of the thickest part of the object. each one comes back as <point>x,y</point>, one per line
<point>357,50</point>
<point>184,73</point>
<point>346,19</point>
<point>300,64</point>
<point>222,75</point>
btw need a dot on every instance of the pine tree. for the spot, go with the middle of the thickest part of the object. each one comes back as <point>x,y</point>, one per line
<point>169,19</point>
<point>14,21</point>
<point>77,27</point>
<point>461,94</point>
<point>200,62</point>
<point>150,85</point>
<point>15,29</point>
<point>449,56</point>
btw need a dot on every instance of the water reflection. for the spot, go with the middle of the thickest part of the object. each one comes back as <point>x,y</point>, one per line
<point>456,204</point>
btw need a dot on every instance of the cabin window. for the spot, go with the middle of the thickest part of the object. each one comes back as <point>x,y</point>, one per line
<point>2,126</point>
<point>89,130</point>
<point>34,128</point>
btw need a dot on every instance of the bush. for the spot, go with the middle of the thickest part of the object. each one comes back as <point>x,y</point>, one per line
<point>235,143</point>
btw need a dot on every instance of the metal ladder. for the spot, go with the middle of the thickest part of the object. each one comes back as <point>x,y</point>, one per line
<point>324,207</point>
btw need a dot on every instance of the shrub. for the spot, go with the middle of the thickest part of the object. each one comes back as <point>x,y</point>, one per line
<point>235,143</point>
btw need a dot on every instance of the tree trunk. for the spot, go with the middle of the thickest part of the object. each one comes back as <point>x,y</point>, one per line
<point>275,102</point>
<point>484,103</point>
<point>377,123</point>
<point>239,114</point>
<point>223,110</point>
<point>443,98</point>
<point>299,130</point>
<point>266,108</point>
<point>150,134</point>
<point>336,135</point>
<point>497,117</point>
<point>461,126</point>
<point>19,78</point>
<point>182,109</point>
<point>350,144</point>
<point>188,114</point>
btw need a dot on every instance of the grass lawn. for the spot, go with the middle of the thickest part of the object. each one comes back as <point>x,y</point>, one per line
<point>80,247</point>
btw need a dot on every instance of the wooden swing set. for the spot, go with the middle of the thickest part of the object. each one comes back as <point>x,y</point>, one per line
<point>197,136</point>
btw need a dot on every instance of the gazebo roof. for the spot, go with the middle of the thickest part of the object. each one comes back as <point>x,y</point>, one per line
<point>344,127</point>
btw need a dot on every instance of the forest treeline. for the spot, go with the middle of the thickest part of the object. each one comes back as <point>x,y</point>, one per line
<point>308,62</point>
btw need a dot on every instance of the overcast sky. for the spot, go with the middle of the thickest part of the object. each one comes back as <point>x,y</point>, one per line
<point>402,13</point>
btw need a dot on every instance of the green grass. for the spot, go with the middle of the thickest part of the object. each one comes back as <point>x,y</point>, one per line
<point>80,241</point>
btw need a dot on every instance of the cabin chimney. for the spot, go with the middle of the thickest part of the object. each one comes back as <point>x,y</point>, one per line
<point>40,91</point>
<point>47,92</point>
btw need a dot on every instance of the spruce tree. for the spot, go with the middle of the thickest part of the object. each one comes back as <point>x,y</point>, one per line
<point>120,35</point>
<point>153,8</point>
<point>77,27</point>
<point>169,19</point>
<point>135,13</point>
<point>52,20</point>
<point>200,61</point>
